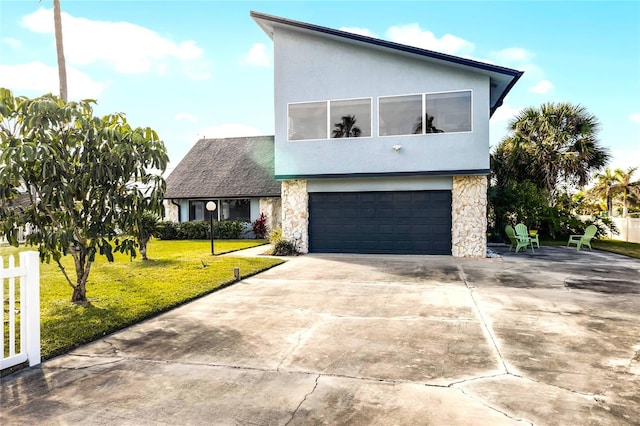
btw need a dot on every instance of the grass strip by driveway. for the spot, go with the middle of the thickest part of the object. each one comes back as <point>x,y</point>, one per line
<point>605,244</point>
<point>128,291</point>
<point>617,246</point>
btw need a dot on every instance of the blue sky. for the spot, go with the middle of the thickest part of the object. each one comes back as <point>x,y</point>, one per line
<point>190,69</point>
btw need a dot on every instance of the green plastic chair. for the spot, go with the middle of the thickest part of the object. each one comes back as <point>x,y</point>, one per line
<point>521,229</point>
<point>517,240</point>
<point>583,240</point>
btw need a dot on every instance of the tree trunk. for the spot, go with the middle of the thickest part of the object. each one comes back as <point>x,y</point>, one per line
<point>79,293</point>
<point>143,249</point>
<point>83,267</point>
<point>62,67</point>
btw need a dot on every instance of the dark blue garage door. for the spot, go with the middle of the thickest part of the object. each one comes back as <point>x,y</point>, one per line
<point>405,222</point>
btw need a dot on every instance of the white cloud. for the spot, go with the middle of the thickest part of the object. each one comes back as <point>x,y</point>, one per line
<point>12,42</point>
<point>520,59</point>
<point>40,78</point>
<point>257,56</point>
<point>360,31</point>
<point>185,116</point>
<point>635,117</point>
<point>229,130</point>
<point>413,35</point>
<point>505,113</point>
<point>542,87</point>
<point>512,55</point>
<point>126,47</point>
<point>625,158</point>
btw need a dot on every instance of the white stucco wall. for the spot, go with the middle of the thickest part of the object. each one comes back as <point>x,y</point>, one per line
<point>312,68</point>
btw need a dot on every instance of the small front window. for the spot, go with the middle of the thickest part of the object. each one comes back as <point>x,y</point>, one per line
<point>239,209</point>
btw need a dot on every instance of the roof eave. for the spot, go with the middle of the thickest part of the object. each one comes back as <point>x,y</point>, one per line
<point>268,22</point>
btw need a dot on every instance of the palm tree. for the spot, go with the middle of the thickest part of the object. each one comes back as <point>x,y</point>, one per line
<point>627,188</point>
<point>553,145</point>
<point>346,128</point>
<point>605,187</point>
<point>146,227</point>
<point>62,67</point>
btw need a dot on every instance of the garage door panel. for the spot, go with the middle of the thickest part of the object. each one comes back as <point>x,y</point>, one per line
<point>405,222</point>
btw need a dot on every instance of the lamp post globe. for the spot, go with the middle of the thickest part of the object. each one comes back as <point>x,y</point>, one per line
<point>211,207</point>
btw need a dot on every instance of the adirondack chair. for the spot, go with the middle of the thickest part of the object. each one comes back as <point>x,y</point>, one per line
<point>517,240</point>
<point>521,229</point>
<point>583,240</point>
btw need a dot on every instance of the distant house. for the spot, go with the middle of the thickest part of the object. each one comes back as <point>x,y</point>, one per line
<point>236,173</point>
<point>379,147</point>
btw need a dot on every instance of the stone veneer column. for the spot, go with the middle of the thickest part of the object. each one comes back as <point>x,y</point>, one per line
<point>272,208</point>
<point>469,216</point>
<point>295,212</point>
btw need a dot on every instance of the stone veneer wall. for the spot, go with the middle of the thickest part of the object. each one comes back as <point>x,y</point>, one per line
<point>170,211</point>
<point>272,209</point>
<point>469,216</point>
<point>295,212</point>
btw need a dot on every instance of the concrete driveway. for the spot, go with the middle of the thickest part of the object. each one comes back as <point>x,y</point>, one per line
<point>548,338</point>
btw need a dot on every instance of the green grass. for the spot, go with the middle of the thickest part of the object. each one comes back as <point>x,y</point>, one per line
<point>617,246</point>
<point>605,244</point>
<point>128,291</point>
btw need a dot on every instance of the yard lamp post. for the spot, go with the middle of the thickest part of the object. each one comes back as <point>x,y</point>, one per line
<point>211,207</point>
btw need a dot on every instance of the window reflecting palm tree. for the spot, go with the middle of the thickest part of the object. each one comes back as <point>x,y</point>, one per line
<point>431,128</point>
<point>346,128</point>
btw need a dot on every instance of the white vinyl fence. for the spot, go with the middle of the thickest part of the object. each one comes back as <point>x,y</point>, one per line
<point>21,237</point>
<point>20,313</point>
<point>628,229</point>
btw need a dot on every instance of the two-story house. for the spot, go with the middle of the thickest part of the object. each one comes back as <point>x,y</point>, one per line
<point>379,147</point>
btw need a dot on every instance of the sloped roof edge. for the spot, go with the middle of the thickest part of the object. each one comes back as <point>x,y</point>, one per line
<point>236,167</point>
<point>508,76</point>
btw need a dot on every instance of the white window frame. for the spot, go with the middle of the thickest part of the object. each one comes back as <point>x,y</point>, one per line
<point>424,110</point>
<point>329,124</point>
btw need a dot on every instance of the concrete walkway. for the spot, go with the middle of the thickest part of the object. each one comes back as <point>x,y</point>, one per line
<point>545,338</point>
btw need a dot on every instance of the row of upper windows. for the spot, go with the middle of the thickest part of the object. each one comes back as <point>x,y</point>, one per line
<point>418,114</point>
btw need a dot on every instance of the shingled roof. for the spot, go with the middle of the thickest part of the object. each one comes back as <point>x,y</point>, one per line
<point>226,168</point>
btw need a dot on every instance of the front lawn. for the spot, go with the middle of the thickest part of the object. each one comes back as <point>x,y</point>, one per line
<point>128,291</point>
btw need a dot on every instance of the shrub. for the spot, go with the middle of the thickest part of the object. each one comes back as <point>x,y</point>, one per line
<point>275,235</point>
<point>284,248</point>
<point>228,229</point>
<point>260,226</point>
<point>201,230</point>
<point>195,230</point>
<point>168,230</point>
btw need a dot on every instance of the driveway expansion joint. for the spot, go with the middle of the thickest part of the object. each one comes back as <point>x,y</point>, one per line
<point>491,407</point>
<point>488,329</point>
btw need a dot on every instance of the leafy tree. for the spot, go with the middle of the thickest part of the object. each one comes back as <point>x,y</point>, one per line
<point>548,151</point>
<point>552,145</point>
<point>346,128</point>
<point>87,178</point>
